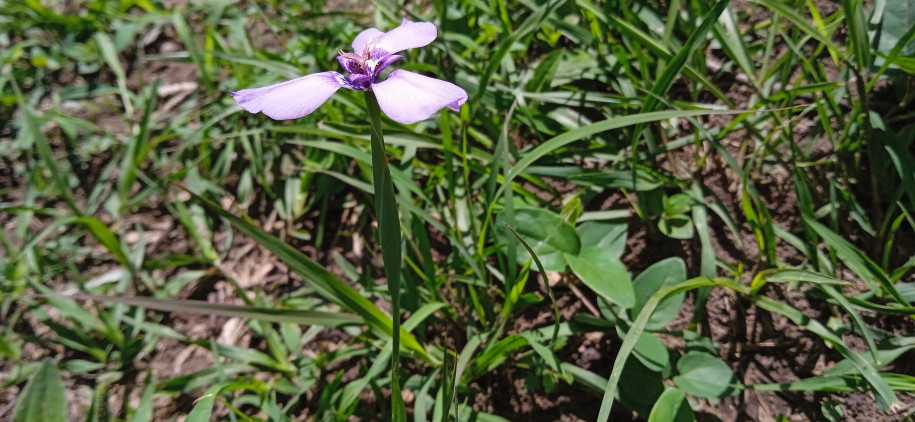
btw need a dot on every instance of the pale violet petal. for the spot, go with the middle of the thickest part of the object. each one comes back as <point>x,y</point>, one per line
<point>408,97</point>
<point>365,38</point>
<point>406,36</point>
<point>290,99</point>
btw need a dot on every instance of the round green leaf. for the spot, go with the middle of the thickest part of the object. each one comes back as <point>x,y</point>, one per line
<point>652,353</point>
<point>703,375</point>
<point>604,273</point>
<point>898,18</point>
<point>639,387</point>
<point>548,235</point>
<point>675,221</point>
<point>677,204</point>
<point>672,406</point>
<point>668,272</point>
<point>678,226</point>
<point>607,235</point>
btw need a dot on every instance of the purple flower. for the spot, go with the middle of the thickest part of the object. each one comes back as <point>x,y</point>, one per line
<point>405,97</point>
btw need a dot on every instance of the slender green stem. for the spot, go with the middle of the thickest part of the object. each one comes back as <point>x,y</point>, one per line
<point>390,238</point>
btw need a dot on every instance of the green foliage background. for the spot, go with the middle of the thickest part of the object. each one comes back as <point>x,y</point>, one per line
<point>132,187</point>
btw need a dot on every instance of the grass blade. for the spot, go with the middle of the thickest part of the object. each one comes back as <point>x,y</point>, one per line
<point>324,282</point>
<point>882,390</point>
<point>638,327</point>
<point>799,21</point>
<point>390,236</point>
<point>111,57</point>
<point>295,316</point>
<point>43,398</point>
<point>578,134</point>
<point>666,80</point>
<point>856,260</point>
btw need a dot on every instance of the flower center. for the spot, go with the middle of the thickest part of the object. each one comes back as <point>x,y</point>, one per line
<point>365,69</point>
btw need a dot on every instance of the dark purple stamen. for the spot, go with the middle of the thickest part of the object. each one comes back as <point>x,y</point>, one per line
<point>365,69</point>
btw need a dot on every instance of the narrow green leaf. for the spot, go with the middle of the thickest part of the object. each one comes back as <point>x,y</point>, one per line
<point>886,356</point>
<point>580,133</point>
<point>839,384</point>
<point>902,159</point>
<point>545,353</point>
<point>792,15</point>
<point>707,255</point>
<point>856,260</point>
<point>777,275</point>
<point>633,33</point>
<point>666,80</point>
<point>585,377</point>
<point>203,406</point>
<point>138,146</point>
<point>295,316</point>
<point>144,412</point>
<point>884,393</point>
<point>732,42</point>
<point>856,319</point>
<point>673,68</point>
<point>106,237</point>
<point>114,63</point>
<point>43,398</point>
<point>389,233</point>
<point>549,290</point>
<point>282,69</point>
<point>351,391</point>
<point>857,31</point>
<point>187,37</point>
<point>421,314</point>
<point>449,384</point>
<point>324,282</point>
<point>31,134</point>
<point>497,353</point>
<point>529,25</point>
<point>638,327</point>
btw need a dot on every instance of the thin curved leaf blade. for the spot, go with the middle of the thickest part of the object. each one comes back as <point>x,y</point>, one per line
<point>43,398</point>
<point>324,282</point>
